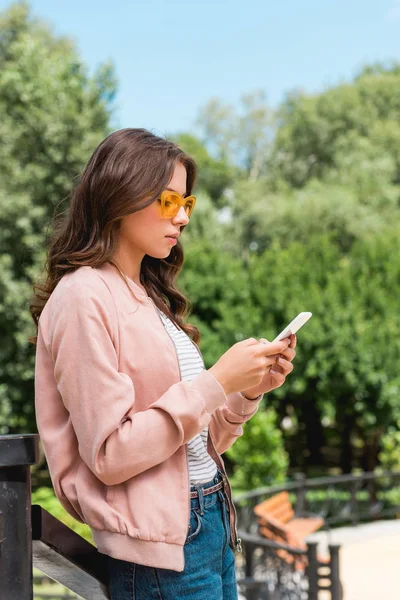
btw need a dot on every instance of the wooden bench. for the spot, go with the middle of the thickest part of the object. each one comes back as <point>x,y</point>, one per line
<point>277,522</point>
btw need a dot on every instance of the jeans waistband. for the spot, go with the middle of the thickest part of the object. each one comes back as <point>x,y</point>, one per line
<point>203,501</point>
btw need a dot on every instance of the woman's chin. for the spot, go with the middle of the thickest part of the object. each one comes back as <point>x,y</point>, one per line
<point>160,254</point>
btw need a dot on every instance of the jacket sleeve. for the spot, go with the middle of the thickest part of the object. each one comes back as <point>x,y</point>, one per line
<point>115,440</point>
<point>227,420</point>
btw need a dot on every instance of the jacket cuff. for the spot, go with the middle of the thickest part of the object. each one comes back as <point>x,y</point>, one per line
<point>210,388</point>
<point>251,399</point>
<point>239,405</point>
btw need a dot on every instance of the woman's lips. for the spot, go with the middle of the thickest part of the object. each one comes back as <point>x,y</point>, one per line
<point>171,239</point>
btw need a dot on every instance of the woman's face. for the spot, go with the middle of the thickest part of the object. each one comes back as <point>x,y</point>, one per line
<point>145,231</point>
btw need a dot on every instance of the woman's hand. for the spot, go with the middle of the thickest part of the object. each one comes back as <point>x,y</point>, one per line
<point>245,364</point>
<point>277,373</point>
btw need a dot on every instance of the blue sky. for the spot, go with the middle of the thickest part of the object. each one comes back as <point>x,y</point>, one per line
<point>172,57</point>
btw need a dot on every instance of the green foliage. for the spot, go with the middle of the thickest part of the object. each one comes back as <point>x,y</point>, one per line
<point>341,387</point>
<point>53,116</point>
<point>330,247</point>
<point>352,129</point>
<point>337,499</point>
<point>261,215</point>
<point>220,287</point>
<point>258,455</point>
<point>389,455</point>
<point>213,175</point>
<point>345,377</point>
<point>241,136</point>
<point>46,498</point>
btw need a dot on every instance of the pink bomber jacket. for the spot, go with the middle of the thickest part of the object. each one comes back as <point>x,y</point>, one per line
<point>114,417</point>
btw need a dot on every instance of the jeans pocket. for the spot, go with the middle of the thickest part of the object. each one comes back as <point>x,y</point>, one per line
<point>194,526</point>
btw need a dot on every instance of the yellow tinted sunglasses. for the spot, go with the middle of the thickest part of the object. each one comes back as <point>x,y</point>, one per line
<point>172,201</point>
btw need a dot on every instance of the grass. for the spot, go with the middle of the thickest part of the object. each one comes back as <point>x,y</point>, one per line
<point>51,589</point>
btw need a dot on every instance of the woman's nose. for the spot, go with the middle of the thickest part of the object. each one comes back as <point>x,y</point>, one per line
<point>181,216</point>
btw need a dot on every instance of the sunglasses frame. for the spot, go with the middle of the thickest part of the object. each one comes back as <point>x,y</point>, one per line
<point>181,202</point>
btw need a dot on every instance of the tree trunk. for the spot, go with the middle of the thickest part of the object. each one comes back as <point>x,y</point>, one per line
<point>314,432</point>
<point>346,449</point>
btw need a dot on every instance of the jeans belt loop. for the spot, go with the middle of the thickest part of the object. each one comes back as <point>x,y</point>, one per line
<point>199,489</point>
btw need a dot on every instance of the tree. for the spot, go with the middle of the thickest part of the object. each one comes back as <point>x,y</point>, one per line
<point>53,116</point>
<point>259,456</point>
<point>346,384</point>
<point>261,214</point>
<point>240,137</point>
<point>318,133</point>
<point>214,176</point>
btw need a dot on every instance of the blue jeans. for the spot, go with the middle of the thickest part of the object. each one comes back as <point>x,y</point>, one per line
<point>209,571</point>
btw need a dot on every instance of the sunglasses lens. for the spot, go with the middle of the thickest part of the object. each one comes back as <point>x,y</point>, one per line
<point>189,207</point>
<point>171,205</point>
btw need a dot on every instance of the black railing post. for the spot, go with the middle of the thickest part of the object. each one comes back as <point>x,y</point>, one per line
<point>300,506</point>
<point>17,454</point>
<point>336,589</point>
<point>249,548</point>
<point>353,502</point>
<point>312,571</point>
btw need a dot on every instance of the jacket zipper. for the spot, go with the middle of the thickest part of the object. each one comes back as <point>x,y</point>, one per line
<point>236,542</point>
<point>180,378</point>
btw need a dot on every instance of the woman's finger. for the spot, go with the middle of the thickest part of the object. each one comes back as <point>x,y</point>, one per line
<point>273,359</point>
<point>289,354</point>
<point>271,348</point>
<point>277,375</point>
<point>286,366</point>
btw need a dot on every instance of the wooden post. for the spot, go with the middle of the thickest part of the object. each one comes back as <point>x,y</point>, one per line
<point>17,454</point>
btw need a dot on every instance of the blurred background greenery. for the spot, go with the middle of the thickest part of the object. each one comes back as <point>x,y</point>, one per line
<point>298,209</point>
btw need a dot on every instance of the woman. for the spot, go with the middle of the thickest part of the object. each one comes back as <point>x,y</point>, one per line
<point>131,422</point>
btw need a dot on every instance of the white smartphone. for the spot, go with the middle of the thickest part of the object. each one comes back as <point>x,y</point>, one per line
<point>294,326</point>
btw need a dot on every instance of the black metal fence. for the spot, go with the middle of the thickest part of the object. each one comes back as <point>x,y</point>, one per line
<point>271,571</point>
<point>340,500</point>
<point>29,536</point>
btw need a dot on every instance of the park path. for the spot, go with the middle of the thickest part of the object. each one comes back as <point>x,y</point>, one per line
<point>369,559</point>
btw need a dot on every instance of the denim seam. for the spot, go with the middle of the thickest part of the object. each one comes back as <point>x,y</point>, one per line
<point>196,532</point>
<point>157,583</point>
<point>132,580</point>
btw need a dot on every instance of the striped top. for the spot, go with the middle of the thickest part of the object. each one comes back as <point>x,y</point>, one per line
<point>202,467</point>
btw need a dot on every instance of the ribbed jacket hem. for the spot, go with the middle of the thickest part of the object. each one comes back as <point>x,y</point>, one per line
<point>152,554</point>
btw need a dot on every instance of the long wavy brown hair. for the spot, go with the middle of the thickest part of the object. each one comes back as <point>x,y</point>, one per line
<point>127,172</point>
